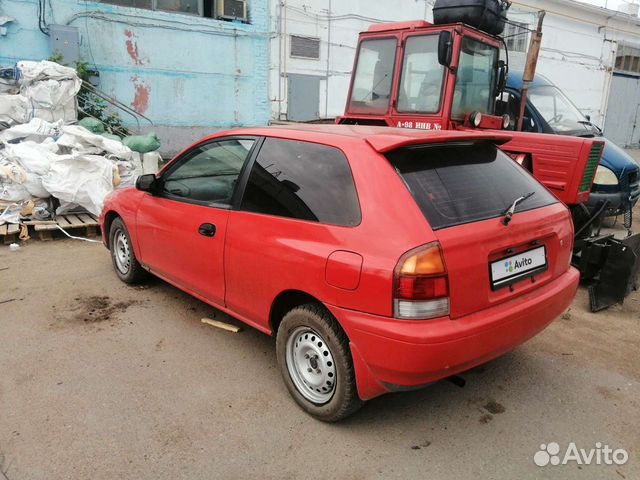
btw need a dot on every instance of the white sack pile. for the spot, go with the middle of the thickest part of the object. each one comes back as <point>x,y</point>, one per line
<point>46,90</point>
<point>43,158</point>
<point>67,162</point>
<point>51,90</point>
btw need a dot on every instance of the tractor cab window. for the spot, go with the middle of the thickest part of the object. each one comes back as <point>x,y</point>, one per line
<point>476,78</point>
<point>373,77</point>
<point>422,76</point>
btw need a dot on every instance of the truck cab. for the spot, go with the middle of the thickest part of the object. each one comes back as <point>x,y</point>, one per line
<point>549,110</point>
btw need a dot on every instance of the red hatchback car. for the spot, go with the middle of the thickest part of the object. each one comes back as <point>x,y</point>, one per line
<point>381,259</point>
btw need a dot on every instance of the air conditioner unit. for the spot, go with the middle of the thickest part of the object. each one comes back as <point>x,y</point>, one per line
<point>232,9</point>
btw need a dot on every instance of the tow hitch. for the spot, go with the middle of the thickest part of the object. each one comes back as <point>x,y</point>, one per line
<point>608,266</point>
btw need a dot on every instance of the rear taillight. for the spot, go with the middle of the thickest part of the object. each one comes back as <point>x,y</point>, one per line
<point>420,284</point>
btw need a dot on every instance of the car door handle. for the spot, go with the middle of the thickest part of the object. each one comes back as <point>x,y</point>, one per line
<point>207,229</point>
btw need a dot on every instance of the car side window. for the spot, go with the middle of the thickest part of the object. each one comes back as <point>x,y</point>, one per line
<point>210,172</point>
<point>302,180</point>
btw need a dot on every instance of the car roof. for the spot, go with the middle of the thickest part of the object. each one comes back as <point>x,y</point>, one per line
<point>382,139</point>
<point>514,80</point>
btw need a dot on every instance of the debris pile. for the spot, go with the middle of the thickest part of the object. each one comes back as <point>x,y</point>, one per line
<point>48,166</point>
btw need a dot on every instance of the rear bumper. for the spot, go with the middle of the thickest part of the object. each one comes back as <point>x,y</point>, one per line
<point>392,354</point>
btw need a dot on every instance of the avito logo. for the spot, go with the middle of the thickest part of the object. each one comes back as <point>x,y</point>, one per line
<point>510,266</point>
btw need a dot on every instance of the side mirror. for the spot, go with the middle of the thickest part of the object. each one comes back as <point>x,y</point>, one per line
<point>588,117</point>
<point>528,125</point>
<point>147,183</point>
<point>445,48</point>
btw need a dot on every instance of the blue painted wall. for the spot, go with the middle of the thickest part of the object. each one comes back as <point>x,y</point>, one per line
<point>181,71</point>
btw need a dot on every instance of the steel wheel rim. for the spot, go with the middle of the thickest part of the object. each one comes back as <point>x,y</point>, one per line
<point>121,252</point>
<point>311,366</point>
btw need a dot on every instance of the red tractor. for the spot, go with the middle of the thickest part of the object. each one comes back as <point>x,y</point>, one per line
<point>447,77</point>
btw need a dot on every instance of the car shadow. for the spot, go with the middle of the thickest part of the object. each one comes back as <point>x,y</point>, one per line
<point>443,402</point>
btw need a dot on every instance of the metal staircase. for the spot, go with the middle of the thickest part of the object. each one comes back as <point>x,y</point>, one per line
<point>118,106</point>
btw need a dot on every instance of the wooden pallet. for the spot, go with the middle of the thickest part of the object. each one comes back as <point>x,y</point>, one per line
<point>9,233</point>
<point>86,222</point>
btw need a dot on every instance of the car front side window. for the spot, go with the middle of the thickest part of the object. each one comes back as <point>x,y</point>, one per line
<point>209,173</point>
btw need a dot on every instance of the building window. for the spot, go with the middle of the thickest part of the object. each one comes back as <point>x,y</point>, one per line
<point>628,59</point>
<point>234,10</point>
<point>305,47</point>
<point>180,6</point>
<point>516,36</point>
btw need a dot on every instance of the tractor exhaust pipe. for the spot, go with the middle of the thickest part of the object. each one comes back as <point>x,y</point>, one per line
<point>530,68</point>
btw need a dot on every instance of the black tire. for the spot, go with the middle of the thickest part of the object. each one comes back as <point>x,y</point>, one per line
<point>119,242</point>
<point>344,398</point>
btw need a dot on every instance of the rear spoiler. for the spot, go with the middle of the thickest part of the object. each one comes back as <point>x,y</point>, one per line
<point>384,143</point>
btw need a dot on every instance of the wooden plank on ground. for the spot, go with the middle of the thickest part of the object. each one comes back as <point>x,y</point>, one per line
<point>224,326</point>
<point>13,228</point>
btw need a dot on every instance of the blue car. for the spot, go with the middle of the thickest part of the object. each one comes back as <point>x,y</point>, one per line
<point>550,111</point>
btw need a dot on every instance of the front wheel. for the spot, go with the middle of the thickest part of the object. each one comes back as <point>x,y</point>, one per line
<point>124,260</point>
<point>315,362</point>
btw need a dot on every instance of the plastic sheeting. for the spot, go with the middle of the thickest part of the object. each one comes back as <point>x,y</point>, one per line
<point>36,130</point>
<point>14,109</point>
<point>81,179</point>
<point>33,157</point>
<point>51,88</point>
<point>30,72</point>
<point>12,180</point>
<point>10,213</point>
<point>80,139</point>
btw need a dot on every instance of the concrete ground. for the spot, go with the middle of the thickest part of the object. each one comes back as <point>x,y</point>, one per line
<point>99,380</point>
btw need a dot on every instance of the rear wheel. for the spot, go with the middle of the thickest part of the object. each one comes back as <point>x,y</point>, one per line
<point>315,362</point>
<point>124,260</point>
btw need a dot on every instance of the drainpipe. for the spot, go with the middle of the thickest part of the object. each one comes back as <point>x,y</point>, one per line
<point>530,67</point>
<point>609,78</point>
<point>284,57</point>
<point>326,94</point>
<point>279,98</point>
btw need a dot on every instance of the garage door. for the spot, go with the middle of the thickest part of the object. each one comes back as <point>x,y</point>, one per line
<point>622,123</point>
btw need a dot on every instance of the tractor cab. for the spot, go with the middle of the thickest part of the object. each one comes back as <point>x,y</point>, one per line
<point>424,76</point>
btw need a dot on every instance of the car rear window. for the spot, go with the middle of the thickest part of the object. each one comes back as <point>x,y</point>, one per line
<point>461,183</point>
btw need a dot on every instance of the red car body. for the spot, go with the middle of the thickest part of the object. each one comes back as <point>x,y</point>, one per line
<point>259,265</point>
